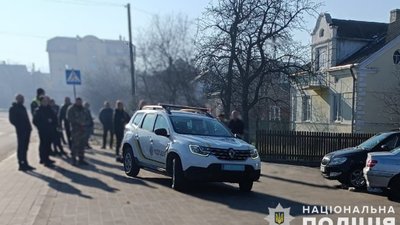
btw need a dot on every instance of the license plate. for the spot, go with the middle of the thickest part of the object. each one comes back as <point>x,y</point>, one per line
<point>233,167</point>
<point>322,168</point>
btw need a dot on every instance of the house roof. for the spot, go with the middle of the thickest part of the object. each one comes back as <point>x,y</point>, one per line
<point>377,35</point>
<point>359,29</point>
<point>365,51</point>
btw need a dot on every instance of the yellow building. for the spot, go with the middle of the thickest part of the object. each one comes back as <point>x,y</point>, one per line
<point>355,79</point>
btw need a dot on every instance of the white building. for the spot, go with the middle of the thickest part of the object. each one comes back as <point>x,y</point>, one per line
<point>88,54</point>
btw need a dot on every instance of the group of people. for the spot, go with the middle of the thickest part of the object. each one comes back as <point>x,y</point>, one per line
<point>49,119</point>
<point>113,122</point>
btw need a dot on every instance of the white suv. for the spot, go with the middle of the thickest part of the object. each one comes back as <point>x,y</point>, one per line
<point>187,144</point>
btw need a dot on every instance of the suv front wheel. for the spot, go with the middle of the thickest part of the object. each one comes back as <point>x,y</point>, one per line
<point>178,179</point>
<point>130,166</point>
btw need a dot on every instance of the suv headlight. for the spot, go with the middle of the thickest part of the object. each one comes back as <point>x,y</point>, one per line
<point>199,150</point>
<point>254,153</point>
<point>337,161</point>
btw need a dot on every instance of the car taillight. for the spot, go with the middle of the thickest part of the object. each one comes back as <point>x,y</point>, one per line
<point>371,163</point>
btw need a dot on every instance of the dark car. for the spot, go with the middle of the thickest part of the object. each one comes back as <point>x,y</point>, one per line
<point>347,165</point>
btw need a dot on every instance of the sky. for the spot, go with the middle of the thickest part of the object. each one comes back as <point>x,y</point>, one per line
<point>26,25</point>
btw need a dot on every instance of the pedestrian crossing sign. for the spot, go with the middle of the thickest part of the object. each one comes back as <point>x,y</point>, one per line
<point>73,77</point>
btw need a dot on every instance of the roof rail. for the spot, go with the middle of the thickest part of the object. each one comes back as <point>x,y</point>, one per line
<point>152,107</point>
<point>169,107</point>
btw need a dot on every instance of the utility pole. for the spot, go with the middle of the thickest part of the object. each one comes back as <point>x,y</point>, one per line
<point>128,6</point>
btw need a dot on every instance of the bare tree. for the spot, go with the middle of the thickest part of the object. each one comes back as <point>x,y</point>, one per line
<point>165,59</point>
<point>246,44</point>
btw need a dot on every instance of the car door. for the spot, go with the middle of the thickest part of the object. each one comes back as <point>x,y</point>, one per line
<point>160,143</point>
<point>145,136</point>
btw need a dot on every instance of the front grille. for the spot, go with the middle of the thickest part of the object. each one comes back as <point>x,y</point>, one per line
<point>223,154</point>
<point>325,161</point>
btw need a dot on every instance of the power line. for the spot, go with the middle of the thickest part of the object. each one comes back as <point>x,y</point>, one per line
<point>22,35</point>
<point>98,3</point>
<point>86,3</point>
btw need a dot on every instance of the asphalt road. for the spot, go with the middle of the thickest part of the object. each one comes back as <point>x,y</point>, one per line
<point>8,139</point>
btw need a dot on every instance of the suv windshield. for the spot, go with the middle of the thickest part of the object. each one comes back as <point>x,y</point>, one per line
<point>199,126</point>
<point>373,141</point>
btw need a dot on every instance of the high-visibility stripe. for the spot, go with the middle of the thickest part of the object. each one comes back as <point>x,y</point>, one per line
<point>140,150</point>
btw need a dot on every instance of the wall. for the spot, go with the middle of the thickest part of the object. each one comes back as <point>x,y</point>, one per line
<point>378,78</point>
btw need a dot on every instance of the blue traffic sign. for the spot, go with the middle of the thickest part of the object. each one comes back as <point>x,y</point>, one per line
<point>73,77</point>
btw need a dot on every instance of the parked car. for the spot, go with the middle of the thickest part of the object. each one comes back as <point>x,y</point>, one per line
<point>382,170</point>
<point>347,165</point>
<point>187,144</point>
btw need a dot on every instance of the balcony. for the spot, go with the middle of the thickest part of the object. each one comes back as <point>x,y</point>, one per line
<point>312,81</point>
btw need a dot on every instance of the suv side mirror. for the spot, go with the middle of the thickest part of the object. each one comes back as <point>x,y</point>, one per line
<point>385,148</point>
<point>162,132</point>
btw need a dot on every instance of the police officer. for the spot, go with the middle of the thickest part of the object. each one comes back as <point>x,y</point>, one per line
<point>77,116</point>
<point>36,101</point>
<point>121,118</point>
<point>46,122</point>
<point>19,118</point>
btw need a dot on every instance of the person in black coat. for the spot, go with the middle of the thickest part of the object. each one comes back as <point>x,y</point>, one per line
<point>46,122</point>
<point>236,124</point>
<point>18,117</point>
<point>121,118</point>
<point>106,119</point>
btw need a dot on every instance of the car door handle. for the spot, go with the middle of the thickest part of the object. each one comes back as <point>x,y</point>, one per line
<point>137,136</point>
<point>151,140</point>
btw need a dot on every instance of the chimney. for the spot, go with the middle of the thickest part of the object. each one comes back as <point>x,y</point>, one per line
<point>395,15</point>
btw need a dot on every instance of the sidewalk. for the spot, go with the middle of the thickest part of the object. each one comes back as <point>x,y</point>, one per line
<point>61,195</point>
<point>22,195</point>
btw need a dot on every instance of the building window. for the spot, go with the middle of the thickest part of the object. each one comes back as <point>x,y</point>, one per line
<point>306,108</point>
<point>321,58</point>
<point>275,113</point>
<point>321,33</point>
<point>396,57</point>
<point>337,107</point>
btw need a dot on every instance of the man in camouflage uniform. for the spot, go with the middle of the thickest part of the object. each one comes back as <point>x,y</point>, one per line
<point>78,117</point>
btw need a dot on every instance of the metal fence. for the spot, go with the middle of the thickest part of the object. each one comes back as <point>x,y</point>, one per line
<point>302,147</point>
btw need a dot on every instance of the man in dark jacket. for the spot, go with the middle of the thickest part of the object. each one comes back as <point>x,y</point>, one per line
<point>106,119</point>
<point>63,119</point>
<point>236,124</point>
<point>19,118</point>
<point>121,118</point>
<point>36,101</point>
<point>46,122</point>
